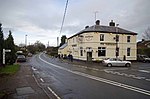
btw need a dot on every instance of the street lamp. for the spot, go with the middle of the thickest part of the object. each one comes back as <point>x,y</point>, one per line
<point>26,40</point>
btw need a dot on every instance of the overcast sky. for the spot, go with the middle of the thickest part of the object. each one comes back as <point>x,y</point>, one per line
<point>41,19</point>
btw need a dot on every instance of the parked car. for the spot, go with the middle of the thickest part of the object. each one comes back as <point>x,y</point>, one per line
<point>29,54</point>
<point>143,58</point>
<point>21,58</point>
<point>116,62</point>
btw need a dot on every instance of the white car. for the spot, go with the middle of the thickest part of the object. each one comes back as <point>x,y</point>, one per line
<point>116,62</point>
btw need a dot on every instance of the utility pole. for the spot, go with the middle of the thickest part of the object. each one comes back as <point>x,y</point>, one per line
<point>95,13</point>
<point>26,40</point>
<point>57,41</point>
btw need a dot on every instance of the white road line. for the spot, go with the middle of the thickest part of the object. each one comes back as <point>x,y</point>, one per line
<point>41,86</point>
<point>95,69</point>
<point>145,71</point>
<point>125,86</point>
<point>41,80</point>
<point>53,93</point>
<point>33,68</point>
<point>147,79</point>
<point>117,69</point>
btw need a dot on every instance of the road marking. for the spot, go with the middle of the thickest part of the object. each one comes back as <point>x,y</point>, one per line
<point>41,86</point>
<point>41,80</point>
<point>33,68</point>
<point>125,86</point>
<point>53,93</point>
<point>148,79</point>
<point>145,71</point>
<point>117,69</point>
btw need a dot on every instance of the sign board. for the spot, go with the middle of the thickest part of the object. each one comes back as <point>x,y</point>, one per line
<point>4,51</point>
<point>7,50</point>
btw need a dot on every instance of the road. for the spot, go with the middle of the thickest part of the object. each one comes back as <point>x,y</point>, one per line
<point>71,81</point>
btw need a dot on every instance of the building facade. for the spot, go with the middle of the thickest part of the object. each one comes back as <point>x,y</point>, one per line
<point>98,42</point>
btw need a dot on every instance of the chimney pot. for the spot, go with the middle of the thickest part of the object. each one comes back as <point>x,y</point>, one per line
<point>86,27</point>
<point>97,22</point>
<point>111,23</point>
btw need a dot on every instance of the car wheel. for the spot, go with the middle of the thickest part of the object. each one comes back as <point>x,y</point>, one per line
<point>109,64</point>
<point>128,65</point>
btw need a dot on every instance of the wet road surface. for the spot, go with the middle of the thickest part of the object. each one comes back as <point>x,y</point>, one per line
<point>70,81</point>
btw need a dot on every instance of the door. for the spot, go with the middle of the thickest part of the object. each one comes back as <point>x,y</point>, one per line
<point>89,56</point>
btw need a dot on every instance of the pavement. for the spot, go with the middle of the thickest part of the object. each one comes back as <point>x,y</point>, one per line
<point>21,85</point>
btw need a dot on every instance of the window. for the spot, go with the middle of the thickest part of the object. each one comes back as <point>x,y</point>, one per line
<point>117,51</point>
<point>73,39</point>
<point>128,38</point>
<point>117,38</point>
<point>81,51</point>
<point>101,51</point>
<point>128,51</point>
<point>101,37</point>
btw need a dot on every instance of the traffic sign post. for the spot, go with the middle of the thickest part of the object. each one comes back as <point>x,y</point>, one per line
<point>4,52</point>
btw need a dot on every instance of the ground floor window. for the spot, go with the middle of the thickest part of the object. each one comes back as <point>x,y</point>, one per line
<point>101,51</point>
<point>128,51</point>
<point>117,51</point>
<point>81,51</point>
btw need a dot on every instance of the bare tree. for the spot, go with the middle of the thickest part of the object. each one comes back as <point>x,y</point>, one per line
<point>146,34</point>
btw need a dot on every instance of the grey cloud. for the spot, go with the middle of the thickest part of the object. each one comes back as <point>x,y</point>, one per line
<point>46,15</point>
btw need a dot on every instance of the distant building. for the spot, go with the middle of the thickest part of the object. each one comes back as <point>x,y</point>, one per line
<point>98,42</point>
<point>143,44</point>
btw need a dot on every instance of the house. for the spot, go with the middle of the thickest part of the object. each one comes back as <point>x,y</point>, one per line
<point>97,42</point>
<point>143,47</point>
<point>143,44</point>
<point>63,50</point>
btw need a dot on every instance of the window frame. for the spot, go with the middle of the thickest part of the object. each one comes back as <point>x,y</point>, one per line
<point>101,37</point>
<point>128,39</point>
<point>128,51</point>
<point>81,51</point>
<point>101,51</point>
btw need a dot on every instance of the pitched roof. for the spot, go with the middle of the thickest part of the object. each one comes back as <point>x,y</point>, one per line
<point>63,46</point>
<point>105,29</point>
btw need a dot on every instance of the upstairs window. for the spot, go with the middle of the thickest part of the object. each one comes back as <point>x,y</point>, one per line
<point>117,38</point>
<point>128,38</point>
<point>101,37</point>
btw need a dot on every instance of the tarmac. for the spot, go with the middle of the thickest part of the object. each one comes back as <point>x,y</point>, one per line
<point>23,85</point>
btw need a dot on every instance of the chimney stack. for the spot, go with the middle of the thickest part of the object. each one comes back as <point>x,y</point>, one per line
<point>111,23</point>
<point>97,22</point>
<point>86,26</point>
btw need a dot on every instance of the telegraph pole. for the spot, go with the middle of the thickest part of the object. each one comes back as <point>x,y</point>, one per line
<point>95,13</point>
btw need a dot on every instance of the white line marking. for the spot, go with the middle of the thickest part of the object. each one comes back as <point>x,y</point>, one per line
<point>136,89</point>
<point>53,93</point>
<point>95,69</point>
<point>145,71</point>
<point>116,69</point>
<point>147,79</point>
<point>33,68</point>
<point>41,80</point>
<point>41,86</point>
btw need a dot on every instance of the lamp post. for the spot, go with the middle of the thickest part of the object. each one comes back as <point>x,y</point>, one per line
<point>26,40</point>
<point>117,40</point>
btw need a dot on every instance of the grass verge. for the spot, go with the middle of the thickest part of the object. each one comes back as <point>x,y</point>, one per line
<point>9,69</point>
